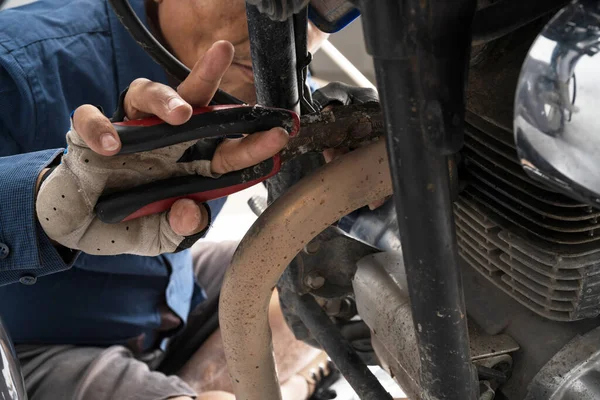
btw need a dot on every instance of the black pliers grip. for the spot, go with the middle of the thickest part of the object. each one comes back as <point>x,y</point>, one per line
<point>206,123</point>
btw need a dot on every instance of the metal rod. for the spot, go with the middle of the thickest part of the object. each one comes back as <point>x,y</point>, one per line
<point>273,53</point>
<point>12,385</point>
<point>303,58</point>
<point>345,65</point>
<point>278,235</point>
<point>421,51</point>
<point>350,365</point>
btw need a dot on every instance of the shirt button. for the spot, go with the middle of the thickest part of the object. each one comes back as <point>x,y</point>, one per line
<point>4,251</point>
<point>28,280</point>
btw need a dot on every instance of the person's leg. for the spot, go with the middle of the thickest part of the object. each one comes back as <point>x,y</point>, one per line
<point>91,373</point>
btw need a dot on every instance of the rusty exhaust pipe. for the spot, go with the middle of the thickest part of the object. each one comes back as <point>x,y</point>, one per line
<point>346,184</point>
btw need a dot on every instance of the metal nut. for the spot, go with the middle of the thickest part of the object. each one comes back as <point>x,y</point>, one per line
<point>314,280</point>
<point>312,247</point>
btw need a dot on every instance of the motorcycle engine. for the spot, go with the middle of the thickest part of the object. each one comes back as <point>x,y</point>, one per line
<point>530,258</point>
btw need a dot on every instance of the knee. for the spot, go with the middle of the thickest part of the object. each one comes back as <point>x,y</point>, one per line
<point>215,395</point>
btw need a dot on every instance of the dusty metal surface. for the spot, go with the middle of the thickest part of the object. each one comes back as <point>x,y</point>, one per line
<point>486,346</point>
<point>382,301</point>
<point>278,235</point>
<point>572,374</point>
<point>348,126</point>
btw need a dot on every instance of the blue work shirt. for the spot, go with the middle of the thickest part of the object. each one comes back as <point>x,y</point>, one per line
<point>55,56</point>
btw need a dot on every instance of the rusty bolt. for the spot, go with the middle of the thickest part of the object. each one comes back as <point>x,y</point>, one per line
<point>314,280</point>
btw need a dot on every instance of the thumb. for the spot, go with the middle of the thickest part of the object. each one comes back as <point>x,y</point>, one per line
<point>188,218</point>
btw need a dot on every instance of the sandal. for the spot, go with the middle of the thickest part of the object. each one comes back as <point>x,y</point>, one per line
<point>320,375</point>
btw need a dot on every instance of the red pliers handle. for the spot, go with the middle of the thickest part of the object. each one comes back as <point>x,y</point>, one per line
<point>206,122</point>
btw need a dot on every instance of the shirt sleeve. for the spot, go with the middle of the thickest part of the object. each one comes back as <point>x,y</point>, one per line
<point>25,251</point>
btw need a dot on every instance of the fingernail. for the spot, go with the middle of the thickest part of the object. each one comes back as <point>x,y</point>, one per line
<point>109,142</point>
<point>174,103</point>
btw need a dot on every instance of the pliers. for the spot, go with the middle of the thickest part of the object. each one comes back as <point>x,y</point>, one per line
<point>216,122</point>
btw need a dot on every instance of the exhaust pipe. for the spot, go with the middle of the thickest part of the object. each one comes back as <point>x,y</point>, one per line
<point>350,182</point>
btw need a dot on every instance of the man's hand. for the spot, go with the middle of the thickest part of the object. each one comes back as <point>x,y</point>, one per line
<point>91,167</point>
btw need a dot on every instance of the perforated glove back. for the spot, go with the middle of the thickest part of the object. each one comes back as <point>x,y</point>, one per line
<point>67,197</point>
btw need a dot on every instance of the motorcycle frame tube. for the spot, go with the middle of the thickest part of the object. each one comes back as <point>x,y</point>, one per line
<point>412,42</point>
<point>355,371</point>
<point>12,385</point>
<point>273,51</point>
<point>280,233</point>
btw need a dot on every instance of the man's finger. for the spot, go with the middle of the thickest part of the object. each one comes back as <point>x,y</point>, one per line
<point>187,218</point>
<point>204,80</point>
<point>236,154</point>
<point>145,98</point>
<point>96,130</point>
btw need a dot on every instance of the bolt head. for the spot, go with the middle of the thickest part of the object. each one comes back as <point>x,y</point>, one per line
<point>314,280</point>
<point>312,247</point>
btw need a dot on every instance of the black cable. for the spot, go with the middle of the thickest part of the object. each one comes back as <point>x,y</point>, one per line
<point>159,54</point>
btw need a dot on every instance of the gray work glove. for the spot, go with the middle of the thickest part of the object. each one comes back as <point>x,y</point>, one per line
<point>68,194</point>
<point>67,198</point>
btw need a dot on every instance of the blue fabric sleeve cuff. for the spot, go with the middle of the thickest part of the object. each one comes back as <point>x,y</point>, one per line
<point>29,252</point>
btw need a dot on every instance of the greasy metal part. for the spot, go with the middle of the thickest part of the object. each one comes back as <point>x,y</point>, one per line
<point>348,126</point>
<point>505,16</point>
<point>489,308</point>
<point>332,255</point>
<point>421,53</point>
<point>325,268</point>
<point>303,59</point>
<point>341,126</point>
<point>277,236</point>
<point>12,386</point>
<point>572,374</point>
<point>539,339</point>
<point>383,304</point>
<point>273,54</point>
<point>556,106</point>
<point>348,362</point>
<point>382,301</point>
<point>495,239</point>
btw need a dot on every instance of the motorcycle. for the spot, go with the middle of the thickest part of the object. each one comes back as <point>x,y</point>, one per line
<point>478,278</point>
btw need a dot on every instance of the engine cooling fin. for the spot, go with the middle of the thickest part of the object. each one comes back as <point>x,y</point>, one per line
<point>540,247</point>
